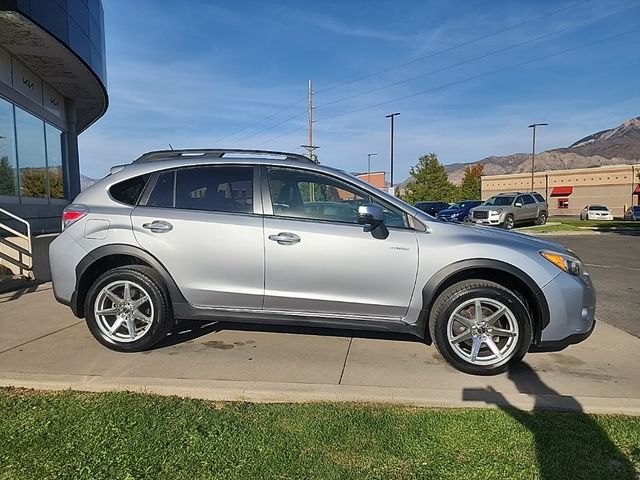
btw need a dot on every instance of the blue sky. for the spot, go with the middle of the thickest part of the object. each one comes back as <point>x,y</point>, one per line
<point>206,74</point>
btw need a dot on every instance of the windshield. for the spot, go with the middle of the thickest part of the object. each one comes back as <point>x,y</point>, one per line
<point>599,208</point>
<point>462,205</point>
<point>499,201</point>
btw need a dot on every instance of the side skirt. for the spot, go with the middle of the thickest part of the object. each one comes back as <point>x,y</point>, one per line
<point>185,311</point>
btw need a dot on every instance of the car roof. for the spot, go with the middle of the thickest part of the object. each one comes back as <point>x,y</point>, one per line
<point>213,153</point>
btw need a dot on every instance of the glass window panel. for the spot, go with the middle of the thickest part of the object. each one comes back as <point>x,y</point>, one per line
<point>300,194</point>
<point>8,169</point>
<point>31,155</point>
<point>219,188</point>
<point>162,194</point>
<point>54,162</point>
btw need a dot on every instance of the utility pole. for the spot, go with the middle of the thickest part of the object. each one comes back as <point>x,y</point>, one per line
<point>310,146</point>
<point>391,116</point>
<point>533,149</point>
<point>369,155</point>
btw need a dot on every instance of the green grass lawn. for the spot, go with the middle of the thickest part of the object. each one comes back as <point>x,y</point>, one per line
<point>123,435</point>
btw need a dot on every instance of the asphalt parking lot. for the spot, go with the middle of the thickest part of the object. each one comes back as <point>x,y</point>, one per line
<point>42,345</point>
<point>613,260</point>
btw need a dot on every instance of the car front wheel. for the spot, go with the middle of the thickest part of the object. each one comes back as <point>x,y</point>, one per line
<point>480,327</point>
<point>509,222</point>
<point>128,309</point>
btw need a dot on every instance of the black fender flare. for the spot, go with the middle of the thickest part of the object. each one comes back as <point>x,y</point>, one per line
<point>442,276</point>
<point>122,249</point>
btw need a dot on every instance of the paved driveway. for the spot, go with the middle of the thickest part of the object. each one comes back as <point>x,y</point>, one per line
<point>42,345</point>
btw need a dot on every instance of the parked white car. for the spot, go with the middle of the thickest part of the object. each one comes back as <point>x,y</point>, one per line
<point>596,212</point>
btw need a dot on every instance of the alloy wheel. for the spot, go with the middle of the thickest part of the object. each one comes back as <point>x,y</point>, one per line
<point>483,331</point>
<point>124,311</point>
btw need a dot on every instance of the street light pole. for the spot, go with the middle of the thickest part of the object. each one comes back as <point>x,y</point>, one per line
<point>369,155</point>
<point>533,149</point>
<point>391,116</point>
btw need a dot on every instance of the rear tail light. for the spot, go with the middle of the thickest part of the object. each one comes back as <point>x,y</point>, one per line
<point>73,213</point>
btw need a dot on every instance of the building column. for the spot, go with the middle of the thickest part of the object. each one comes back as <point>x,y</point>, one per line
<point>70,151</point>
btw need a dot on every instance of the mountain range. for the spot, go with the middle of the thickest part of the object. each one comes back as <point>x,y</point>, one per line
<point>619,145</point>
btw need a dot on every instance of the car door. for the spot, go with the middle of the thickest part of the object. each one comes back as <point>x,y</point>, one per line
<point>201,224</point>
<point>529,207</point>
<point>321,261</point>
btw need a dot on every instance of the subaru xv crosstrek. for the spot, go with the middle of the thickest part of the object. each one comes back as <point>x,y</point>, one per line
<point>267,237</point>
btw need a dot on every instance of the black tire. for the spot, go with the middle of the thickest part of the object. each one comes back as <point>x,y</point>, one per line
<point>162,320</point>
<point>509,222</point>
<point>542,218</point>
<point>455,296</point>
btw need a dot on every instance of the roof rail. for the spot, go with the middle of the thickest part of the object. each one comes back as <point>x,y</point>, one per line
<point>215,153</point>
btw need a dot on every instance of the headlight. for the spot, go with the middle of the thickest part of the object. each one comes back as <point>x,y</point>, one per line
<point>455,214</point>
<point>497,211</point>
<point>565,262</point>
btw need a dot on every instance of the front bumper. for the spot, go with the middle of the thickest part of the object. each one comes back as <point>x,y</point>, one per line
<point>557,345</point>
<point>491,220</point>
<point>572,308</point>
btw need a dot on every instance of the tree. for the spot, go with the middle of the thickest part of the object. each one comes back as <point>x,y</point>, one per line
<point>429,182</point>
<point>7,178</point>
<point>33,182</point>
<point>470,188</point>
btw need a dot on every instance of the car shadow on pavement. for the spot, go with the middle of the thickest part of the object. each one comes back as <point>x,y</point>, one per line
<point>187,330</point>
<point>559,445</point>
<point>191,329</point>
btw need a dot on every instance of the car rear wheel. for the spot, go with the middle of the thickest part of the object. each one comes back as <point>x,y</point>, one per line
<point>542,218</point>
<point>480,327</point>
<point>128,309</point>
<point>508,222</point>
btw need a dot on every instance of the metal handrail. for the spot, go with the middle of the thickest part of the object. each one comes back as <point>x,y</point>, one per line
<point>26,237</point>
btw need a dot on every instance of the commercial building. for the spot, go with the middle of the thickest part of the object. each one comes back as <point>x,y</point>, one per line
<point>568,191</point>
<point>52,87</point>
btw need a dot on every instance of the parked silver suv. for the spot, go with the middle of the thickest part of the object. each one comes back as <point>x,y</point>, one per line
<point>274,238</point>
<point>508,209</point>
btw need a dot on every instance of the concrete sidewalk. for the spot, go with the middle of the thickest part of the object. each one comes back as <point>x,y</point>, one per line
<point>42,345</point>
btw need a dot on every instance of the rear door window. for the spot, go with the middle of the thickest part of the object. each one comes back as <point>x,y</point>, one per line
<point>215,188</point>
<point>162,193</point>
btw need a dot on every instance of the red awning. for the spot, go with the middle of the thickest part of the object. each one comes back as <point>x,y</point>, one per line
<point>637,190</point>
<point>561,191</point>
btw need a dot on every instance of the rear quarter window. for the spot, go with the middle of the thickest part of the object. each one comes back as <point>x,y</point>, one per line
<point>128,191</point>
<point>539,197</point>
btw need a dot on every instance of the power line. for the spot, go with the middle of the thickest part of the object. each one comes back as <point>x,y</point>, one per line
<point>485,74</point>
<point>454,47</point>
<point>448,49</point>
<point>470,60</point>
<point>258,122</point>
<point>279,136</point>
<point>271,127</point>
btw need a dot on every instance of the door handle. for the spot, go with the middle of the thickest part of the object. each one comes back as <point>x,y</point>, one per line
<point>285,238</point>
<point>158,226</point>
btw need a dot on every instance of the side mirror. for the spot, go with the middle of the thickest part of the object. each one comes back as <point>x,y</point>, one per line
<point>370,214</point>
<point>517,204</point>
<point>372,217</point>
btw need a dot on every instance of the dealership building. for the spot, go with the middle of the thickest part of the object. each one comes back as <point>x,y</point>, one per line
<point>52,88</point>
<point>569,191</point>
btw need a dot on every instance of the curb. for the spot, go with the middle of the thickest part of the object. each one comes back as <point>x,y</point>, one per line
<point>266,392</point>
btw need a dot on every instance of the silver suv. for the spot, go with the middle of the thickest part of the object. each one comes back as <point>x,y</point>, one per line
<point>268,237</point>
<point>508,209</point>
